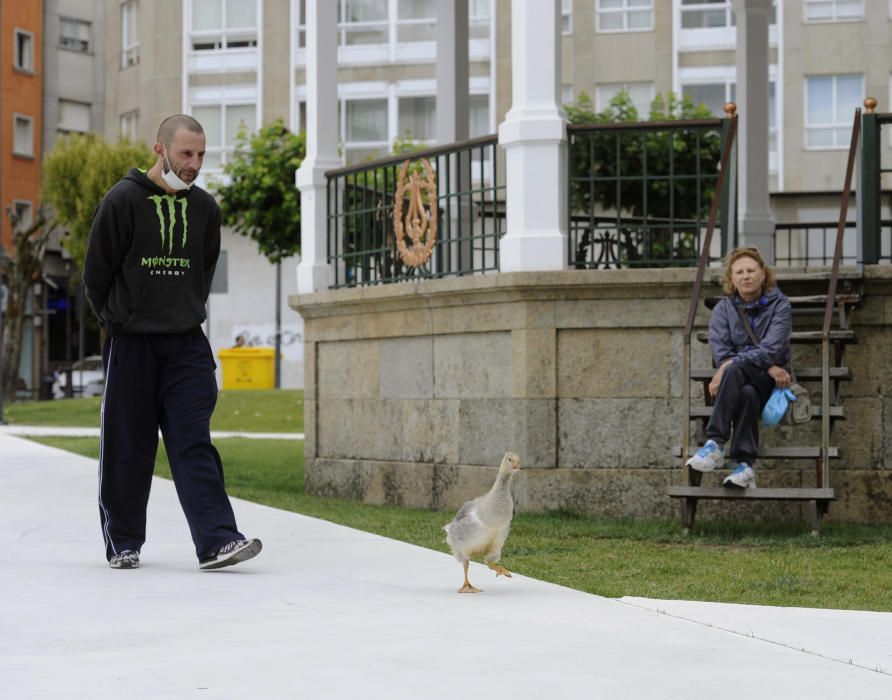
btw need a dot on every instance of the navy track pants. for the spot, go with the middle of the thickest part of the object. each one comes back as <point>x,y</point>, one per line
<point>742,395</point>
<point>167,382</point>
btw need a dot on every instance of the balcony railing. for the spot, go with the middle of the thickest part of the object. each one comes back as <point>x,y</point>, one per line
<point>640,193</point>
<point>365,238</point>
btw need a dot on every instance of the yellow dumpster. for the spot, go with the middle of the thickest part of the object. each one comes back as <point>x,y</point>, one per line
<point>248,368</point>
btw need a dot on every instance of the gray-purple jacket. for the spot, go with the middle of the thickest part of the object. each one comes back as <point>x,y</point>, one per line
<point>771,320</point>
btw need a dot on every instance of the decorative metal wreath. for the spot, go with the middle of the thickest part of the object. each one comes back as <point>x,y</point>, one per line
<point>420,224</point>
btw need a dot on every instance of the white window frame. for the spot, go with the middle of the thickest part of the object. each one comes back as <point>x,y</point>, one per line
<point>834,14</point>
<point>226,149</point>
<point>62,129</point>
<point>129,45</point>
<point>390,128</point>
<point>728,77</point>
<point>834,125</point>
<point>567,17</point>
<point>16,117</point>
<point>128,125</point>
<point>624,11</point>
<point>16,58</point>
<point>74,43</point>
<point>223,37</point>
<point>26,205</point>
<point>715,38</point>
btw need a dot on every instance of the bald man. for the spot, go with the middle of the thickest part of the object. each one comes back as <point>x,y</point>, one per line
<point>150,260</point>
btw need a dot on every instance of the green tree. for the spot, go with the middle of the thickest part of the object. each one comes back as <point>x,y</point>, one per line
<point>661,212</point>
<point>22,270</point>
<point>77,173</point>
<point>260,200</point>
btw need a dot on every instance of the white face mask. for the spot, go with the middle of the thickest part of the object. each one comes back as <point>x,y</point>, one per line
<point>172,180</point>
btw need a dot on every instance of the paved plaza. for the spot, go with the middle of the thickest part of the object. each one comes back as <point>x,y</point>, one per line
<point>329,612</point>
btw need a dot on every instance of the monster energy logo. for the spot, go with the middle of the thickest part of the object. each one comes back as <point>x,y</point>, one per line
<point>168,264</point>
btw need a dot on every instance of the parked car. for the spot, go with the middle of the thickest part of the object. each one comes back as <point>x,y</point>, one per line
<point>87,378</point>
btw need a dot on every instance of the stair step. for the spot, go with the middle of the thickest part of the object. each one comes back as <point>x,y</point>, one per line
<point>807,373</point>
<point>838,336</point>
<point>804,494</point>
<point>803,301</point>
<point>816,412</point>
<point>785,452</point>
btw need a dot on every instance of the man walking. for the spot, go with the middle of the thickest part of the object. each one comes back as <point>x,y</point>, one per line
<point>150,259</point>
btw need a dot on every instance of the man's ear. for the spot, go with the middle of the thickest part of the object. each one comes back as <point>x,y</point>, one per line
<point>158,149</point>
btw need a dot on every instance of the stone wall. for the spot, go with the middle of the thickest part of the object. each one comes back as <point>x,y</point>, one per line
<point>415,391</point>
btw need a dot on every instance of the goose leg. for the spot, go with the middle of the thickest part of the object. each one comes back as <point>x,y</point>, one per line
<point>499,569</point>
<point>468,588</point>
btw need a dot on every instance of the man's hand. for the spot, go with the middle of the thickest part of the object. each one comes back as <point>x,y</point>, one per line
<point>780,376</point>
<point>717,378</point>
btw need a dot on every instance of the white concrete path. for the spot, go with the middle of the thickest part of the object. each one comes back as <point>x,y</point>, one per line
<point>56,431</point>
<point>329,612</point>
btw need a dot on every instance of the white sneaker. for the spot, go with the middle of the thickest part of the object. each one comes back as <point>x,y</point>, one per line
<point>710,456</point>
<point>231,553</point>
<point>743,477</point>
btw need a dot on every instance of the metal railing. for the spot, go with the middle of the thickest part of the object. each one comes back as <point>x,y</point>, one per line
<point>807,244</point>
<point>876,244</point>
<point>639,193</point>
<point>470,194</point>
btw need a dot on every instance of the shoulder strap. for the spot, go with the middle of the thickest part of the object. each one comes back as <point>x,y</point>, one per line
<point>749,328</point>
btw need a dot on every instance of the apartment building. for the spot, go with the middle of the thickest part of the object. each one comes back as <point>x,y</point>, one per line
<point>236,64</point>
<point>21,77</point>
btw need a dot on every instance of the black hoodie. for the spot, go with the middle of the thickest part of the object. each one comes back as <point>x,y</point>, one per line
<point>151,257</point>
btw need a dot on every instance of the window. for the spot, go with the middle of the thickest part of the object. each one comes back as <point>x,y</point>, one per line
<point>478,19</point>
<point>641,94</point>
<point>625,15</point>
<point>364,129</point>
<point>715,95</point>
<point>129,125</point>
<point>362,22</point>
<point>416,20</point>
<point>833,10</point>
<point>24,50</point>
<point>566,16</point>
<point>129,34</point>
<point>830,103</point>
<point>223,24</point>
<point>697,14</point>
<point>222,124</point>
<point>73,116</point>
<point>23,136</point>
<point>416,118</point>
<point>24,214</point>
<point>478,116</point>
<point>74,34</point>
<point>566,93</point>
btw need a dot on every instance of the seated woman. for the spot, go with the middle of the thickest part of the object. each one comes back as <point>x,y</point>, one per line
<point>746,373</point>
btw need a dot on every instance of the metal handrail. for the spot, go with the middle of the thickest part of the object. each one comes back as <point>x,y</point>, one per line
<point>646,126</point>
<point>698,285</point>
<point>828,308</point>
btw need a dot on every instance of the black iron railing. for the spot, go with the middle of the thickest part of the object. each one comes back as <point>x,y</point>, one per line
<point>813,243</point>
<point>877,234</point>
<point>640,193</point>
<point>469,204</point>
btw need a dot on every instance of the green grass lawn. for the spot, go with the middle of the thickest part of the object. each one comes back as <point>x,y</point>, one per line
<point>848,567</point>
<point>274,411</point>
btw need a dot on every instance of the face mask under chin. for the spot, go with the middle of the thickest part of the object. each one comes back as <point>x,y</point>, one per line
<point>171,179</point>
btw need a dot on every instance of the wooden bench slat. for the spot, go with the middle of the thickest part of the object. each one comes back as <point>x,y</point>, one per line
<point>785,452</point>
<point>802,300</point>
<point>802,337</point>
<point>816,411</point>
<point>844,374</point>
<point>718,492</point>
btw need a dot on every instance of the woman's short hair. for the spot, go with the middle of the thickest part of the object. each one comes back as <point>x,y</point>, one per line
<point>751,252</point>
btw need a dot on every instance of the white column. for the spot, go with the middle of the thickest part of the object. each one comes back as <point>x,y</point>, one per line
<point>756,224</point>
<point>534,138</point>
<point>452,71</point>
<point>313,272</point>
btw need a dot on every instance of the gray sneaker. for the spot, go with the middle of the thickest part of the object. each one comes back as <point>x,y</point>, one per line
<point>710,456</point>
<point>128,559</point>
<point>231,553</point>
<point>743,477</point>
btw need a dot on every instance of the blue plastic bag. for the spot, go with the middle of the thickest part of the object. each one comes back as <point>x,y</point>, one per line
<point>777,406</point>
